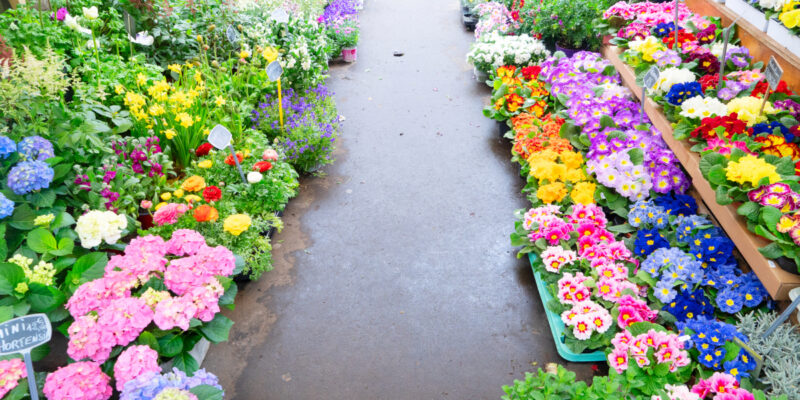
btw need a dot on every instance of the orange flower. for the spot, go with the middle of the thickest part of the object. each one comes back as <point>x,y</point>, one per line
<point>514,102</point>
<point>205,213</point>
<point>193,184</point>
<point>229,158</point>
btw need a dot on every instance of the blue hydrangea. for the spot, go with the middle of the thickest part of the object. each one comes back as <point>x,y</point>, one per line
<point>29,176</point>
<point>35,148</point>
<point>149,385</point>
<point>6,206</point>
<point>7,147</point>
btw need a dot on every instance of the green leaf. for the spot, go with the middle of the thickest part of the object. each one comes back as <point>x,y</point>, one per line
<point>229,296</point>
<point>44,298</point>
<point>62,220</point>
<point>749,210</point>
<point>638,328</point>
<point>10,276</point>
<point>770,215</point>
<point>147,339</point>
<point>186,363</point>
<point>731,351</point>
<point>3,243</point>
<point>207,392</point>
<point>606,121</point>
<point>41,241</point>
<point>709,160</point>
<point>23,217</point>
<point>87,268</point>
<point>43,199</point>
<point>771,251</point>
<point>722,196</point>
<point>170,345</point>
<point>65,247</point>
<point>217,329</point>
<point>6,313</point>
<point>717,175</point>
<point>636,155</point>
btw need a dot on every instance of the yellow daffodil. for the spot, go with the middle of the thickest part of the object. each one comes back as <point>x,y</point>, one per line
<point>184,119</point>
<point>141,79</point>
<point>170,133</point>
<point>219,101</point>
<point>176,68</point>
<point>156,110</point>
<point>206,131</point>
<point>119,89</point>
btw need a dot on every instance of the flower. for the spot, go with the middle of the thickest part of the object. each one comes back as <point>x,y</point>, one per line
<point>552,192</point>
<point>229,159</point>
<point>170,134</point>
<point>270,155</point>
<point>205,212</point>
<point>11,371</point>
<point>72,23</point>
<point>142,38</point>
<point>193,184</point>
<point>254,177</point>
<point>176,68</point>
<point>80,380</point>
<point>748,109</point>
<point>60,14</point>
<point>90,13</point>
<point>35,148</point>
<point>166,196</point>
<point>703,107</point>
<point>8,147</point>
<point>133,362</point>
<point>236,224</point>
<point>178,193</point>
<point>205,164</point>
<point>44,220</point>
<point>212,194</point>
<point>6,206</point>
<point>30,176</point>
<point>750,169</point>
<point>262,166</point>
<point>146,204</point>
<point>203,149</point>
<point>169,213</point>
<point>96,226</point>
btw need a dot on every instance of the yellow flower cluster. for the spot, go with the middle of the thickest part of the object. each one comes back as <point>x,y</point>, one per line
<point>555,171</point>
<point>751,169</point>
<point>236,224</point>
<point>748,109</point>
<point>647,47</point>
<point>790,14</point>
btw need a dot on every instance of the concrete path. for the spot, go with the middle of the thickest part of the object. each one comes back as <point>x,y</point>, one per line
<point>394,277</point>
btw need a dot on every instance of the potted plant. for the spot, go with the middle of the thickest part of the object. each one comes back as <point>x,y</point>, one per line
<point>344,33</point>
<point>565,24</point>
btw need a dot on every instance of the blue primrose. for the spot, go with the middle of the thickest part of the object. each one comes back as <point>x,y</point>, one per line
<point>664,29</point>
<point>679,92</point>
<point>730,301</point>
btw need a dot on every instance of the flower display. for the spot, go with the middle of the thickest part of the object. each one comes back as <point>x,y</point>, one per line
<point>133,362</point>
<point>11,371</point>
<point>30,176</point>
<point>169,385</point>
<point>95,226</point>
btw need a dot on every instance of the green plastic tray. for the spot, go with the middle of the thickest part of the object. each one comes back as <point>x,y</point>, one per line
<point>557,326</point>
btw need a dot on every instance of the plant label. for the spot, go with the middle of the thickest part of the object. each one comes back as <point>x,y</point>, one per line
<point>274,71</point>
<point>751,353</point>
<point>773,73</point>
<point>130,24</point>
<point>651,77</point>
<point>220,137</point>
<point>21,335</point>
<point>676,46</point>
<point>232,34</point>
<point>280,16</point>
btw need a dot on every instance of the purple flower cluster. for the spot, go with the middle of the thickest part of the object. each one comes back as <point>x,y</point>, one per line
<point>739,56</point>
<point>612,145</point>
<point>35,148</point>
<point>140,156</point>
<point>338,10</point>
<point>6,206</point>
<point>789,105</point>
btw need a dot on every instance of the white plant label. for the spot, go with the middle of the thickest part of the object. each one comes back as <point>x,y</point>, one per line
<point>651,77</point>
<point>280,16</point>
<point>220,137</point>
<point>773,73</point>
<point>232,34</point>
<point>21,335</point>
<point>274,71</point>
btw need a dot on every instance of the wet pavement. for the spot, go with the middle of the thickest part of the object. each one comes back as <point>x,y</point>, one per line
<point>394,277</point>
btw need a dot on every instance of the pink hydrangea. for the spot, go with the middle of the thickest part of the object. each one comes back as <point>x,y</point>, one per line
<point>206,299</point>
<point>185,242</point>
<point>133,362</point>
<point>125,319</point>
<point>89,340</point>
<point>93,295</point>
<point>216,260</point>
<point>78,381</point>
<point>11,371</point>
<point>169,214</point>
<point>174,312</point>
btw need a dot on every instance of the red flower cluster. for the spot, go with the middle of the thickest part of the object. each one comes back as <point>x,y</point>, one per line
<point>683,37</point>
<point>229,158</point>
<point>761,88</point>
<point>211,193</point>
<point>262,166</point>
<point>730,123</point>
<point>203,149</point>
<point>709,81</point>
<point>706,62</point>
<point>531,73</point>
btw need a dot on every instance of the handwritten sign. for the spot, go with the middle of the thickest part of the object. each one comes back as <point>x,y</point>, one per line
<point>220,137</point>
<point>130,24</point>
<point>274,71</point>
<point>651,77</point>
<point>21,335</point>
<point>280,16</point>
<point>232,34</point>
<point>773,73</point>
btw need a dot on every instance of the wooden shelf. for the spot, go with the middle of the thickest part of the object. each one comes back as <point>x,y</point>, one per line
<point>760,45</point>
<point>777,281</point>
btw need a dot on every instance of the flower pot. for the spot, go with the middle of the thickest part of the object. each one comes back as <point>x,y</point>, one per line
<point>787,265</point>
<point>469,21</point>
<point>567,51</point>
<point>749,13</point>
<point>503,128</point>
<point>146,219</point>
<point>479,75</point>
<point>784,36</point>
<point>349,54</point>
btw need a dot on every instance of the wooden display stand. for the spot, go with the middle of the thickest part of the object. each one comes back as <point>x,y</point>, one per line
<point>777,281</point>
<point>761,46</point>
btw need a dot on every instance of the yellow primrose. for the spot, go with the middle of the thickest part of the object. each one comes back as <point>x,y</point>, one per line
<point>790,18</point>
<point>751,169</point>
<point>170,133</point>
<point>205,164</point>
<point>552,193</point>
<point>583,193</point>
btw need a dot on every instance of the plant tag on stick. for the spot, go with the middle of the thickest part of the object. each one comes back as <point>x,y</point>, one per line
<point>773,73</point>
<point>21,335</point>
<point>274,71</point>
<point>220,137</point>
<point>649,80</point>
<point>130,24</point>
<point>280,16</point>
<point>232,34</point>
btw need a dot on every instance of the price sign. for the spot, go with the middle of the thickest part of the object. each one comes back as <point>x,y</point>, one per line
<point>130,24</point>
<point>274,71</point>
<point>651,77</point>
<point>21,335</point>
<point>773,73</point>
<point>232,34</point>
<point>280,16</point>
<point>726,37</point>
<point>220,137</point>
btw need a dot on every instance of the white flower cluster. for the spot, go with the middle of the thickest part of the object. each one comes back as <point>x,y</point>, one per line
<point>774,5</point>
<point>703,107</point>
<point>495,50</point>
<point>672,76</point>
<point>96,226</point>
<point>43,272</point>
